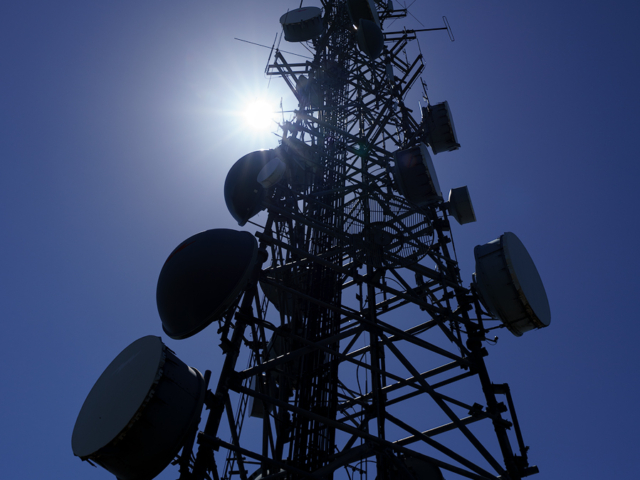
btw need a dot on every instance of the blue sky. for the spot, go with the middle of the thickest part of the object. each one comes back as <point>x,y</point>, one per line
<point>119,121</point>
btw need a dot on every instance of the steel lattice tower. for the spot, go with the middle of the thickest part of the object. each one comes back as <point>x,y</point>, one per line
<point>345,249</point>
<point>366,350</point>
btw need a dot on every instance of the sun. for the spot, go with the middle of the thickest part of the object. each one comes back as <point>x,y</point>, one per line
<point>260,114</point>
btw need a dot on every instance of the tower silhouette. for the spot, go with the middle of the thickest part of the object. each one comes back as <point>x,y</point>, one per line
<point>366,350</point>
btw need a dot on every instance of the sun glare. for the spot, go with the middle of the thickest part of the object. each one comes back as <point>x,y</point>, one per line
<point>260,114</point>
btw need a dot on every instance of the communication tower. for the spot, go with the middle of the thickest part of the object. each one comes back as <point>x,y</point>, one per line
<point>366,350</point>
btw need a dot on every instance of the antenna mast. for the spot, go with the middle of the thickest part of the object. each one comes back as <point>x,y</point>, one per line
<point>366,348</point>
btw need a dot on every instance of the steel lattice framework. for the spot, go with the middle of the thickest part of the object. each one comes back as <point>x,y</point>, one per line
<point>343,387</point>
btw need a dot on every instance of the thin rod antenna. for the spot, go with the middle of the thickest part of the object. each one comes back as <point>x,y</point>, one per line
<point>449,31</point>
<point>447,27</point>
<point>270,53</point>
<point>414,31</point>
<point>424,90</point>
<point>266,46</point>
<point>282,110</point>
<point>415,18</point>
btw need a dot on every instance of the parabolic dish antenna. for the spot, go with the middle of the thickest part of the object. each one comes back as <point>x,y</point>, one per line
<point>202,277</point>
<point>302,24</point>
<point>272,172</point>
<point>135,418</point>
<point>510,285</point>
<point>415,176</point>
<point>438,127</point>
<point>363,9</point>
<point>460,206</point>
<point>243,194</point>
<point>370,38</point>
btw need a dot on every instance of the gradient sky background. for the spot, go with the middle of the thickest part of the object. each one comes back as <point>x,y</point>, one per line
<point>119,121</point>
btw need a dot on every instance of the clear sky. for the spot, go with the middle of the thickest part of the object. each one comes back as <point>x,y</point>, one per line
<point>119,121</point>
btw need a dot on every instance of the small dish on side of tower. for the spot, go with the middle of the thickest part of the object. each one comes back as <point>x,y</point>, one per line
<point>460,206</point>
<point>438,128</point>
<point>415,176</point>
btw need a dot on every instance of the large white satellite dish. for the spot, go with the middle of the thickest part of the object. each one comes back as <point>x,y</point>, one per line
<point>510,285</point>
<point>302,24</point>
<point>137,415</point>
<point>202,277</point>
